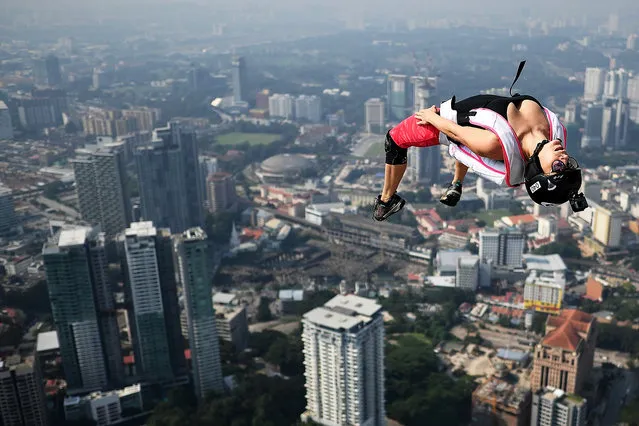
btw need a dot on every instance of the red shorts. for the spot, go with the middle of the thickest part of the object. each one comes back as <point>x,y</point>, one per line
<point>408,133</point>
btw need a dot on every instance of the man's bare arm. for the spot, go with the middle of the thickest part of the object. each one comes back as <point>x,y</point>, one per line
<point>480,141</point>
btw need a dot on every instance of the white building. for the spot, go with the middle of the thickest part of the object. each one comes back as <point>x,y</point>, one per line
<point>446,261</point>
<point>505,247</point>
<point>374,111</point>
<point>6,127</point>
<point>594,84</point>
<point>467,277</point>
<point>281,106</point>
<point>546,226</point>
<point>616,83</point>
<point>344,362</point>
<point>316,213</point>
<point>553,407</point>
<point>606,226</point>
<point>549,266</point>
<point>104,408</point>
<point>231,320</point>
<point>309,108</point>
<point>543,293</point>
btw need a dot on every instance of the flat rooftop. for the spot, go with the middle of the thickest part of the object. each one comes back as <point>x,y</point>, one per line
<point>360,305</point>
<point>344,312</point>
<point>141,229</point>
<point>73,237</point>
<point>224,298</point>
<point>47,341</point>
<point>334,320</point>
<point>550,263</point>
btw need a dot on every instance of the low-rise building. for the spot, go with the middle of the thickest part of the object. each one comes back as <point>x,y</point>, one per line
<point>104,408</point>
<point>499,402</point>
<point>231,320</point>
<point>554,407</point>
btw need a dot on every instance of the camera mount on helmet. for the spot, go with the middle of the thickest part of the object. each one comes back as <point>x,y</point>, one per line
<point>557,187</point>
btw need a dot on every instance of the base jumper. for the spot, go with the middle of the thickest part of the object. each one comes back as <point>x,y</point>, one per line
<point>508,140</point>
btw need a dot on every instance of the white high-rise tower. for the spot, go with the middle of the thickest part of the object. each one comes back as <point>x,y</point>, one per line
<point>344,360</point>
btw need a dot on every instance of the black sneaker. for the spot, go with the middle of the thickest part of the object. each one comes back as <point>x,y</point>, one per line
<point>452,195</point>
<point>384,210</point>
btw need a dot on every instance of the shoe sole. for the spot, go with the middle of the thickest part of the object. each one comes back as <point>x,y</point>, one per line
<point>397,207</point>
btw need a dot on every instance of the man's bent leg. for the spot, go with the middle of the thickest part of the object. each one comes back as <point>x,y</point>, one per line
<point>388,202</point>
<point>396,162</point>
<point>393,175</point>
<point>460,172</point>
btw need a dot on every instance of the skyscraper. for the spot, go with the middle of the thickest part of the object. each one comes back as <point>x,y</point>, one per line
<point>239,80</point>
<point>425,164</point>
<point>594,84</point>
<point>70,284</point>
<point>46,71</point>
<point>467,274</point>
<point>565,356</point>
<point>505,247</point>
<point>282,106</point>
<point>169,177</point>
<point>554,407</point>
<point>221,192</point>
<point>22,400</point>
<point>309,108</point>
<point>606,226</point>
<point>194,268</point>
<point>424,92</point>
<point>8,219</point>
<point>593,126</point>
<point>344,362</point>
<point>105,307</point>
<point>374,111</point>
<point>397,96</point>
<point>145,292</point>
<point>170,304</point>
<point>6,125</point>
<point>101,184</point>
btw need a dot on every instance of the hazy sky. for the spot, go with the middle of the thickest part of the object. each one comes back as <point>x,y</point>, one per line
<point>217,11</point>
<point>405,8</point>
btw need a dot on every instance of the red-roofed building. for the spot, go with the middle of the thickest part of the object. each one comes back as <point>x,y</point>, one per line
<point>595,289</point>
<point>565,356</point>
<point>525,222</point>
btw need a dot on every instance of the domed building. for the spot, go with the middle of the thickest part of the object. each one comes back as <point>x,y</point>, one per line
<point>285,167</point>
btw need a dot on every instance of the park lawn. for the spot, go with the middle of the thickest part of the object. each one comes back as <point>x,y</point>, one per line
<point>237,138</point>
<point>490,216</point>
<point>376,150</point>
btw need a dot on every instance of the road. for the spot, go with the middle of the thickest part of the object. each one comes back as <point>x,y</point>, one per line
<point>612,270</point>
<point>60,207</point>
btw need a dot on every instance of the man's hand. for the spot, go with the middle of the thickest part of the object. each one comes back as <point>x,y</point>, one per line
<point>424,116</point>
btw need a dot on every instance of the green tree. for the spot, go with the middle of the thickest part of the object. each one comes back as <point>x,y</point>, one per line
<point>568,249</point>
<point>539,323</point>
<point>630,413</point>
<point>264,310</point>
<point>415,390</point>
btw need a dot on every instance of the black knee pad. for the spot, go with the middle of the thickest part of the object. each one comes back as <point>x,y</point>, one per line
<point>394,154</point>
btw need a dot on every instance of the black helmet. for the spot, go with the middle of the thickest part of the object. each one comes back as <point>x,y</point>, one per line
<point>557,187</point>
